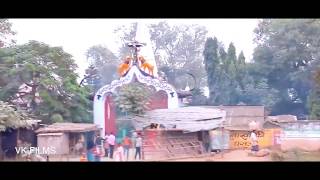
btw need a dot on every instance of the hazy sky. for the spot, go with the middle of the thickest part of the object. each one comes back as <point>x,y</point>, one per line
<point>77,35</point>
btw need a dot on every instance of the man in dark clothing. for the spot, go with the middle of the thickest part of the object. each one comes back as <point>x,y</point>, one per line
<point>98,140</point>
<point>99,147</point>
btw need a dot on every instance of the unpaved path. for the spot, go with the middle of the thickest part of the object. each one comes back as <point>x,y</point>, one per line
<point>235,155</point>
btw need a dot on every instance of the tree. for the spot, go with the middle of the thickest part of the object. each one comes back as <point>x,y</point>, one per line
<point>242,70</point>
<point>198,98</point>
<point>125,34</point>
<point>43,80</point>
<point>231,80</point>
<point>105,62</point>
<point>11,117</point>
<point>5,33</point>
<point>286,54</point>
<point>223,73</point>
<point>133,98</point>
<point>179,49</point>
<point>99,56</point>
<point>314,98</point>
<point>212,63</point>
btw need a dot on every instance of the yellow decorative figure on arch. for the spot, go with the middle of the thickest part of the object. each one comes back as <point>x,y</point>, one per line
<point>145,65</point>
<point>124,67</point>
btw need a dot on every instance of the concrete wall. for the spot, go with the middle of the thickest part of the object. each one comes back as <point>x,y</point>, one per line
<point>60,142</point>
<point>306,144</point>
<point>244,121</point>
<point>243,115</point>
<point>304,135</point>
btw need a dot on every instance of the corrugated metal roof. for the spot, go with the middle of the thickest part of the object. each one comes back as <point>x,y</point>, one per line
<point>190,119</point>
<point>68,127</point>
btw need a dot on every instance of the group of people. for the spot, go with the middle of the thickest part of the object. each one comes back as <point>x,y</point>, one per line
<point>108,147</point>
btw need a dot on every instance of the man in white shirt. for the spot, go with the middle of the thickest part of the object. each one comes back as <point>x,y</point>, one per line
<point>106,145</point>
<point>111,141</point>
<point>254,141</point>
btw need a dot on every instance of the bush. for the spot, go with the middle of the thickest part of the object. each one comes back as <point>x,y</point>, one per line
<point>56,118</point>
<point>277,156</point>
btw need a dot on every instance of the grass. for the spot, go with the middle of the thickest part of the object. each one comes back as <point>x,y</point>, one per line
<point>295,155</point>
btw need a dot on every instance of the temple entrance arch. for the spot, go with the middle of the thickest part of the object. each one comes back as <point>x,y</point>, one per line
<point>105,108</point>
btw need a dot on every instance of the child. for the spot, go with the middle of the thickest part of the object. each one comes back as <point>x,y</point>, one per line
<point>119,153</point>
<point>83,157</point>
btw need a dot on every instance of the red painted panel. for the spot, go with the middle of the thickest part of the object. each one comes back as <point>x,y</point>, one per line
<point>110,116</point>
<point>159,100</point>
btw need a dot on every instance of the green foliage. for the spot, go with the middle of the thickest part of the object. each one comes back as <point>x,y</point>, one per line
<point>286,55</point>
<point>179,48</point>
<point>198,98</point>
<point>49,72</point>
<point>6,33</point>
<point>10,118</point>
<point>314,98</point>
<point>231,80</point>
<point>56,118</point>
<point>133,98</point>
<point>105,64</point>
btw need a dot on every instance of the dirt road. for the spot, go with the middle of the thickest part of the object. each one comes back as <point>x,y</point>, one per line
<point>236,155</point>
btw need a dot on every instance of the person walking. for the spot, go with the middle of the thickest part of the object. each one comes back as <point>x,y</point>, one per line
<point>126,145</point>
<point>106,146</point>
<point>138,146</point>
<point>254,142</point>
<point>90,151</point>
<point>111,142</point>
<point>99,143</point>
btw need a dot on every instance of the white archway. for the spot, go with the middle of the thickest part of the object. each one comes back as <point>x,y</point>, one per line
<point>100,97</point>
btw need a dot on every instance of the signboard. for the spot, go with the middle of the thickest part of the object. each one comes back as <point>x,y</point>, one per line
<point>241,139</point>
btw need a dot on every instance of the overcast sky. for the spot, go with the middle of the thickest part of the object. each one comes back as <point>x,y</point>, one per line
<point>77,35</point>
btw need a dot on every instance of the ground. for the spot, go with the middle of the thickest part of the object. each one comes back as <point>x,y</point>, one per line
<point>235,155</point>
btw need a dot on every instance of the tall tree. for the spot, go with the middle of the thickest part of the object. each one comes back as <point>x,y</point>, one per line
<point>314,98</point>
<point>43,80</point>
<point>212,63</point>
<point>231,80</point>
<point>105,62</point>
<point>242,70</point>
<point>286,53</point>
<point>6,33</point>
<point>223,73</point>
<point>125,34</point>
<point>179,49</point>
